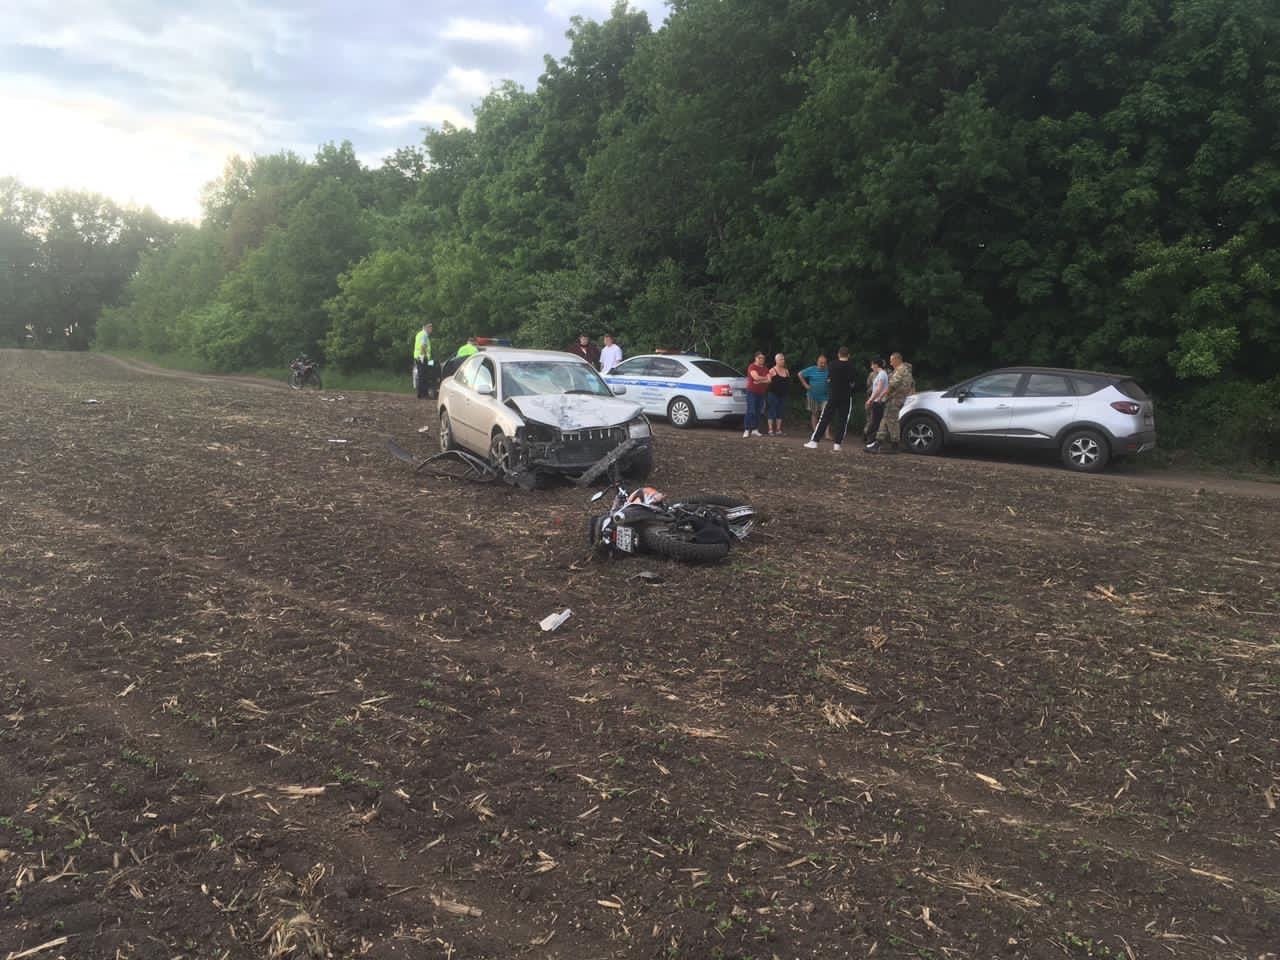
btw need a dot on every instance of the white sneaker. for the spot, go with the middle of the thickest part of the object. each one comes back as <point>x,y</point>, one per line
<point>745,434</point>
<point>835,447</point>
<point>811,445</point>
<point>756,433</point>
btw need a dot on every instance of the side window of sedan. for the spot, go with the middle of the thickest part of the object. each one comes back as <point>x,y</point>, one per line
<point>466,373</point>
<point>996,385</point>
<point>484,378</point>
<point>635,367</point>
<point>667,368</point>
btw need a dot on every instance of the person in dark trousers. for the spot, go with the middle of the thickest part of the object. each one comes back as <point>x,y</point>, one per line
<point>586,350</point>
<point>877,390</point>
<point>839,401</point>
<point>424,364</point>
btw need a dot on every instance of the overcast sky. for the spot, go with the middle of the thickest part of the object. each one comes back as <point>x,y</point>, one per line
<point>144,100</point>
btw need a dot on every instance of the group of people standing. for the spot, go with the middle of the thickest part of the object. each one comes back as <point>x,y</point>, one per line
<point>603,358</point>
<point>828,390</point>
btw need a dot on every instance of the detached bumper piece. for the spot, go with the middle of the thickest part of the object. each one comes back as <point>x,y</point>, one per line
<point>601,466</point>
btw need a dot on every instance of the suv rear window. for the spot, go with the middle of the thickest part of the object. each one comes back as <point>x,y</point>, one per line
<point>714,368</point>
<point>1131,390</point>
<point>1086,384</point>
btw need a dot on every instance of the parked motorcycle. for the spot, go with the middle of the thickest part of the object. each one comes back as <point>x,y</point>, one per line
<point>304,372</point>
<point>697,529</point>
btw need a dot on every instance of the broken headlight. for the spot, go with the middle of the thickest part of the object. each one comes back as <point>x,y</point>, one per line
<point>638,429</point>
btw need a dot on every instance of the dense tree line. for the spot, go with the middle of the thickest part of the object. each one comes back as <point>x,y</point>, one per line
<point>63,256</point>
<point>1076,182</point>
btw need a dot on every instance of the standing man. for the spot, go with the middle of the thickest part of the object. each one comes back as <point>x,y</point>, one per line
<point>586,350</point>
<point>424,364</point>
<point>611,355</point>
<point>901,385</point>
<point>814,381</point>
<point>839,401</point>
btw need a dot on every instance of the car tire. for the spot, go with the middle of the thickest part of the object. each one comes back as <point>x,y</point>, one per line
<point>921,435</point>
<point>1085,451</point>
<point>447,441</point>
<point>681,414</point>
<point>638,467</point>
<point>660,539</point>
<point>500,452</point>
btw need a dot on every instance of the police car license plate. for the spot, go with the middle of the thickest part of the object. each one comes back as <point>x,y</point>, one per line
<point>624,538</point>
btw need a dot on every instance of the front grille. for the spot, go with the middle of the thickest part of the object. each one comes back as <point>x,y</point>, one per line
<point>593,443</point>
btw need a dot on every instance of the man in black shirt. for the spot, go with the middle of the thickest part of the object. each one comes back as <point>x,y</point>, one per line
<point>835,412</point>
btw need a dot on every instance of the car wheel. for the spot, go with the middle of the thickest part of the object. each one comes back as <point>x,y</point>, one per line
<point>1085,451</point>
<point>447,441</point>
<point>681,414</point>
<point>500,453</point>
<point>921,435</point>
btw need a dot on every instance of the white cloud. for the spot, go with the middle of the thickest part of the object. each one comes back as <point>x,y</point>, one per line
<point>450,101</point>
<point>89,142</point>
<point>514,35</point>
<point>600,9</point>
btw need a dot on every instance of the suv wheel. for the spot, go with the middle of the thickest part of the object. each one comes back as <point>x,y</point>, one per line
<point>921,435</point>
<point>680,413</point>
<point>1085,451</point>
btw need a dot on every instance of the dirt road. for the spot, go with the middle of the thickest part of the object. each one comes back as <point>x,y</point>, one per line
<point>267,695</point>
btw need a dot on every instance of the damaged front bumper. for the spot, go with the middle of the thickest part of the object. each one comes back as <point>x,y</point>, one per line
<point>584,455</point>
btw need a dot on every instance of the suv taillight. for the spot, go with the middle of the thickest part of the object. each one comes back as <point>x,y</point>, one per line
<point>1127,406</point>
<point>721,390</point>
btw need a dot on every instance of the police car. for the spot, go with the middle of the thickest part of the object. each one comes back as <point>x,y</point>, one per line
<point>682,387</point>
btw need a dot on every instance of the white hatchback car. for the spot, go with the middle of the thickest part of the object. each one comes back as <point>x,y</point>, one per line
<point>683,387</point>
<point>1089,418</point>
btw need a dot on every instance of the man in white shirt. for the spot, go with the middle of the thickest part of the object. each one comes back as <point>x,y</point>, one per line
<point>610,355</point>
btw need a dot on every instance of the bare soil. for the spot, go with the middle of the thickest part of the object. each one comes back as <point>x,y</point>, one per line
<point>263,695</point>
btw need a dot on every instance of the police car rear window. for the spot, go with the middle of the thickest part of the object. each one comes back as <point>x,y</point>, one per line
<point>714,368</point>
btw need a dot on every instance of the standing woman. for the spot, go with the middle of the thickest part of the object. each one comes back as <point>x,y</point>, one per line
<point>877,390</point>
<point>757,388</point>
<point>779,387</point>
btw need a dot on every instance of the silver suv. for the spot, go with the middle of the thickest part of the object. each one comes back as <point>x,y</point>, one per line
<point>1089,418</point>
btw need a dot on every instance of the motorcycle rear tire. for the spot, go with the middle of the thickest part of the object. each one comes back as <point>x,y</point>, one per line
<point>295,380</point>
<point>660,539</point>
<point>313,380</point>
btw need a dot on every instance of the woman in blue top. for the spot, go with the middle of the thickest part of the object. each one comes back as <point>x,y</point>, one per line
<point>814,381</point>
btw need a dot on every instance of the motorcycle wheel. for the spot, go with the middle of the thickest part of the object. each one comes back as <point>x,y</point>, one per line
<point>313,380</point>
<point>295,380</point>
<point>661,539</point>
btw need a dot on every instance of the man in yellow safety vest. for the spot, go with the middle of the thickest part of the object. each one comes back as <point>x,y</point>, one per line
<point>424,364</point>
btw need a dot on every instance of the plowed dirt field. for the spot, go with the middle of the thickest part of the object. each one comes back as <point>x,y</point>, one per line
<point>263,695</point>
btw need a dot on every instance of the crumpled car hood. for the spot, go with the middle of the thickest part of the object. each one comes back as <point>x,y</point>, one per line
<point>575,411</point>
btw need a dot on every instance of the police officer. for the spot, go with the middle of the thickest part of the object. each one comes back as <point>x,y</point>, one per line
<point>424,364</point>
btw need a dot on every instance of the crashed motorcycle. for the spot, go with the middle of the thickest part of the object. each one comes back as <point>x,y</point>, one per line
<point>304,372</point>
<point>696,529</point>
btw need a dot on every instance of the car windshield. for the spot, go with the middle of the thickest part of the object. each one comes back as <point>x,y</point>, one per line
<point>530,377</point>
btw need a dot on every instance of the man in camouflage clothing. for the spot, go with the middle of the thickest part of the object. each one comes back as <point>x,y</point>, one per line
<point>901,386</point>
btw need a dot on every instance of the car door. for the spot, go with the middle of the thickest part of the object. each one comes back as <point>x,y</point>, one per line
<point>982,408</point>
<point>665,376</point>
<point>1042,407</point>
<point>467,412</point>
<point>634,375</point>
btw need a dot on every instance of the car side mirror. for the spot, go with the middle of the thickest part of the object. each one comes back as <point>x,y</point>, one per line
<point>486,391</point>
<point>960,395</point>
<point>618,389</point>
